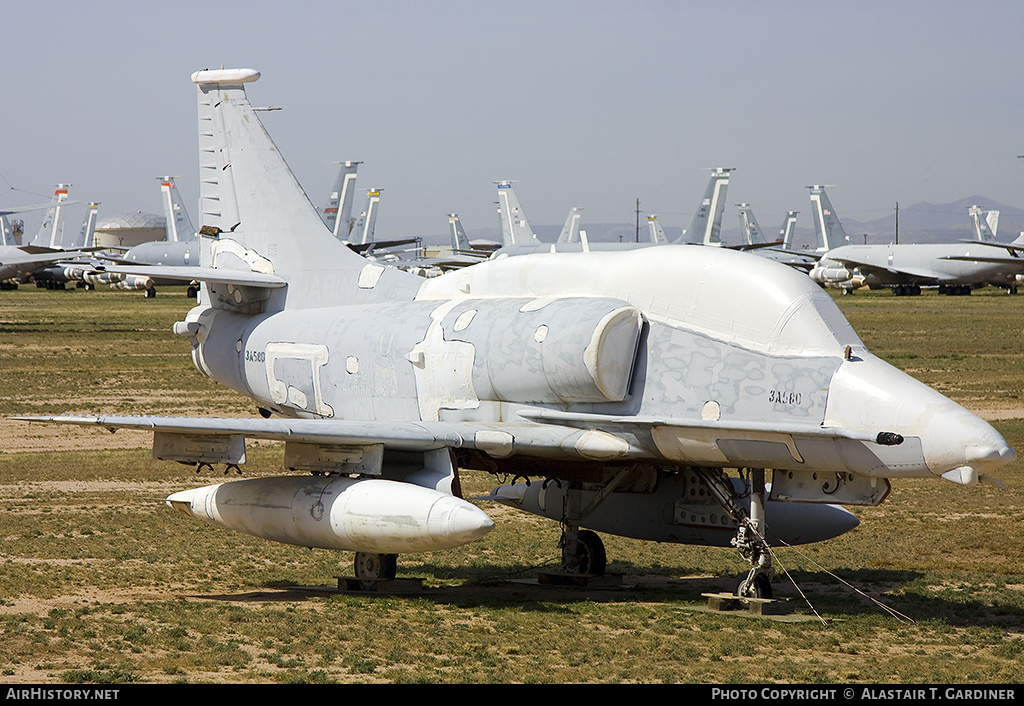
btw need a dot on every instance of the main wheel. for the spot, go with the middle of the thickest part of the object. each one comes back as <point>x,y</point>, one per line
<point>376,566</point>
<point>590,555</point>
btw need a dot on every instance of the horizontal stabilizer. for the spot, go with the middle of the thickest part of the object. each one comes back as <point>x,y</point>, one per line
<point>212,275</point>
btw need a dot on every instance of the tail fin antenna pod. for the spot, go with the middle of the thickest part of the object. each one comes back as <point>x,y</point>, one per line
<point>827,229</point>
<point>179,225</point>
<point>515,229</point>
<point>252,206</point>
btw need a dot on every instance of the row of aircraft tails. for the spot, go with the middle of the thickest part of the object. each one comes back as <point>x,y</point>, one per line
<point>618,388</point>
<point>952,267</point>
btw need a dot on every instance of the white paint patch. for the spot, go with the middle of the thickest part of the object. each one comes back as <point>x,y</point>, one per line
<point>370,275</point>
<point>316,356</point>
<point>443,369</point>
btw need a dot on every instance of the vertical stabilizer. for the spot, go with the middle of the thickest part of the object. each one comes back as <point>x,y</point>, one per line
<point>706,226</point>
<point>256,217</point>
<point>178,224</point>
<point>828,231</point>
<point>362,230</point>
<point>460,241</point>
<point>337,214</point>
<point>787,229</point>
<point>51,230</point>
<point>515,229</point>
<point>571,230</point>
<point>86,234</point>
<point>657,232</point>
<point>985,223</point>
<point>752,234</point>
<point>6,232</point>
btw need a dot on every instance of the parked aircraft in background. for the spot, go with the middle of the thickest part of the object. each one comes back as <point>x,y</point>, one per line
<point>362,232</point>
<point>985,223</point>
<point>571,230</point>
<point>955,268</point>
<point>755,240</point>
<point>180,248</point>
<point>658,236</point>
<point>627,380</point>
<point>18,263</point>
<point>788,227</point>
<point>337,214</point>
<point>518,238</point>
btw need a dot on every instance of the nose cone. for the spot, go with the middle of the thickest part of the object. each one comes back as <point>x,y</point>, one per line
<point>940,437</point>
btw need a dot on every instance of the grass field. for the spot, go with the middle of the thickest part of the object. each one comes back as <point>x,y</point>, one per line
<point>101,582</point>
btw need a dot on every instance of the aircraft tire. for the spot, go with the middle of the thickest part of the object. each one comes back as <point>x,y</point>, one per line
<point>762,587</point>
<point>375,566</point>
<point>590,554</point>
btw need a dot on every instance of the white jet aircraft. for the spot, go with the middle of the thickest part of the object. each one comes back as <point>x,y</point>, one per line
<point>625,381</point>
<point>955,268</point>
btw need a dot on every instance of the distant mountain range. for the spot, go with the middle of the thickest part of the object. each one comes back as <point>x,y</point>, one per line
<point>919,223</point>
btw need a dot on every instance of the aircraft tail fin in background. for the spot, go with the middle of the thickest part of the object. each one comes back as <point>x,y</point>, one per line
<point>515,229</point>
<point>362,229</point>
<point>752,234</point>
<point>571,230</point>
<point>787,229</point>
<point>706,225</point>
<point>460,241</point>
<point>828,231</point>
<point>87,234</point>
<point>6,231</point>
<point>179,225</point>
<point>337,214</point>
<point>985,223</point>
<point>255,216</point>
<point>657,232</point>
<point>51,230</point>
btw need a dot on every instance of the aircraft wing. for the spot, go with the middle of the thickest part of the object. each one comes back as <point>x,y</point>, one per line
<point>1017,261</point>
<point>1010,247</point>
<point>214,275</point>
<point>542,433</point>
<point>920,273</point>
<point>40,258</point>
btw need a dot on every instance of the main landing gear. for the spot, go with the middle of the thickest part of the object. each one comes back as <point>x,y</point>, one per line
<point>371,567</point>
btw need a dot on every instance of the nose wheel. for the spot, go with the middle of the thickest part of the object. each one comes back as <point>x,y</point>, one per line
<point>749,538</point>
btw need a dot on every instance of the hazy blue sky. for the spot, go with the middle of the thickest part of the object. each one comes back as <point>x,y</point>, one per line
<point>589,103</point>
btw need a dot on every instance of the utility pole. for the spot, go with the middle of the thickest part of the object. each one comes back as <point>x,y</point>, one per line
<point>897,222</point>
<point>638,219</point>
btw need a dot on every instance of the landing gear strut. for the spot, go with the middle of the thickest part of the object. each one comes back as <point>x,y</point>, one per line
<point>582,550</point>
<point>749,538</point>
